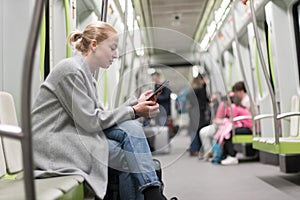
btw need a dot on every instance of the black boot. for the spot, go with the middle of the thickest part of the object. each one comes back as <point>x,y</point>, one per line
<point>158,171</point>
<point>153,193</point>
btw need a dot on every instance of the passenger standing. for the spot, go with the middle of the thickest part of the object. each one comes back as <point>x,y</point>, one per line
<point>164,101</point>
<point>70,125</point>
<point>199,114</point>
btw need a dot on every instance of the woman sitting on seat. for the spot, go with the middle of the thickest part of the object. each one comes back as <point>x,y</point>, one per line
<point>207,133</point>
<point>71,127</point>
<point>241,127</point>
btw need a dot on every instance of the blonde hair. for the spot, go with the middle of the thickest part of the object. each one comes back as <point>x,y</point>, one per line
<point>98,31</point>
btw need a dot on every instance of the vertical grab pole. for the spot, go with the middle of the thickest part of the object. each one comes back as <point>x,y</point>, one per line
<point>133,53</point>
<point>265,72</point>
<point>104,10</point>
<point>26,98</point>
<point>68,26</point>
<point>242,65</point>
<point>123,58</point>
<point>103,18</point>
<point>224,83</point>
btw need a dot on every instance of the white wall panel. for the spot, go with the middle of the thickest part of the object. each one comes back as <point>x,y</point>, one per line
<point>1,45</point>
<point>16,19</point>
<point>281,39</point>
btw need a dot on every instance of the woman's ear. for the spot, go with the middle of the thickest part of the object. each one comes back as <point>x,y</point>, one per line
<point>93,45</point>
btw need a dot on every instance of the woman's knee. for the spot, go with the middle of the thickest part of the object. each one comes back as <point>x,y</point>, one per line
<point>204,131</point>
<point>133,128</point>
<point>116,134</point>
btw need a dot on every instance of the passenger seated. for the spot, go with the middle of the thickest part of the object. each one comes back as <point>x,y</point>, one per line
<point>74,134</point>
<point>224,134</point>
<point>207,133</point>
<point>239,89</point>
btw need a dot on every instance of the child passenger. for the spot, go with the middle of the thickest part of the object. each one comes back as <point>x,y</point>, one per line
<point>74,134</point>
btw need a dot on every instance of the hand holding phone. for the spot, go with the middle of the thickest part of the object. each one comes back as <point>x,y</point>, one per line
<point>158,90</point>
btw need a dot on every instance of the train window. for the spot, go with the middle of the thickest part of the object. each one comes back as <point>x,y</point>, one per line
<point>296,13</point>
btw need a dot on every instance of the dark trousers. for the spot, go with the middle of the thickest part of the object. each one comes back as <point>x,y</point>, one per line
<point>228,145</point>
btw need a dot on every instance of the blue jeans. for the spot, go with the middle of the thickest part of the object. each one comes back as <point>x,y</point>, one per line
<point>129,153</point>
<point>196,144</point>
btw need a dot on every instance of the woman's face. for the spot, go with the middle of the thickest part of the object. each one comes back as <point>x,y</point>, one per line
<point>106,51</point>
<point>240,94</point>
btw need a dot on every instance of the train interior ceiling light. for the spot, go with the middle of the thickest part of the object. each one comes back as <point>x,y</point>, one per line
<point>212,29</point>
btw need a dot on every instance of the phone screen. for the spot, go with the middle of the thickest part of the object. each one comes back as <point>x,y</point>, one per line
<point>164,84</point>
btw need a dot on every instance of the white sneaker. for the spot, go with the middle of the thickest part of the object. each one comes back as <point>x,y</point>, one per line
<point>230,161</point>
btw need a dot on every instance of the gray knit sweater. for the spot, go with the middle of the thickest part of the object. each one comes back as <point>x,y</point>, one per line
<point>68,121</point>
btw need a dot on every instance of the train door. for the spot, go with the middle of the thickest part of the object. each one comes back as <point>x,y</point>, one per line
<point>263,99</point>
<point>282,61</point>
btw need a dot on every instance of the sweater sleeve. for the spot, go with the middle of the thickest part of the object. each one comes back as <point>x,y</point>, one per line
<point>76,99</point>
<point>221,111</point>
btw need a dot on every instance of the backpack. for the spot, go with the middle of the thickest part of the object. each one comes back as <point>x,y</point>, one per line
<point>180,102</point>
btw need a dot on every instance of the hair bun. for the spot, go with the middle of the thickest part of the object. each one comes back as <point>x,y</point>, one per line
<point>77,36</point>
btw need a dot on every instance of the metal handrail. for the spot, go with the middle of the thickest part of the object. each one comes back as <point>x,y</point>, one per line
<point>288,114</point>
<point>24,133</point>
<point>10,131</point>
<point>104,10</point>
<point>133,54</point>
<point>263,116</point>
<point>223,79</point>
<point>26,98</point>
<point>265,72</point>
<point>103,17</point>
<point>243,117</point>
<point>123,58</point>
<point>280,116</point>
<point>15,131</point>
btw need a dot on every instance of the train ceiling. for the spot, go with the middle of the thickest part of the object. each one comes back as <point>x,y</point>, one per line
<point>173,27</point>
<point>177,26</point>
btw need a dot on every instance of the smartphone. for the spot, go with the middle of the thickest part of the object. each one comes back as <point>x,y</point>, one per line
<point>164,84</point>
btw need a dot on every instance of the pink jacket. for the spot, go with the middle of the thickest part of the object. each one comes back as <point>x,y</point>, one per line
<point>225,128</point>
<point>240,111</point>
<point>221,111</point>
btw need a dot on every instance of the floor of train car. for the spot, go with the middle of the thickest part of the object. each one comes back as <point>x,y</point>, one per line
<point>188,178</point>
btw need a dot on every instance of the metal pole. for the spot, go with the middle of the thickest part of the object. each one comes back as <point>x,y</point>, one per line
<point>26,98</point>
<point>265,72</point>
<point>103,18</point>
<point>224,83</point>
<point>123,58</point>
<point>252,105</point>
<point>133,54</point>
<point>104,10</point>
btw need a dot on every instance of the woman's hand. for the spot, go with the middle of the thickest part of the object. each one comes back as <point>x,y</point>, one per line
<point>146,109</point>
<point>145,96</point>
